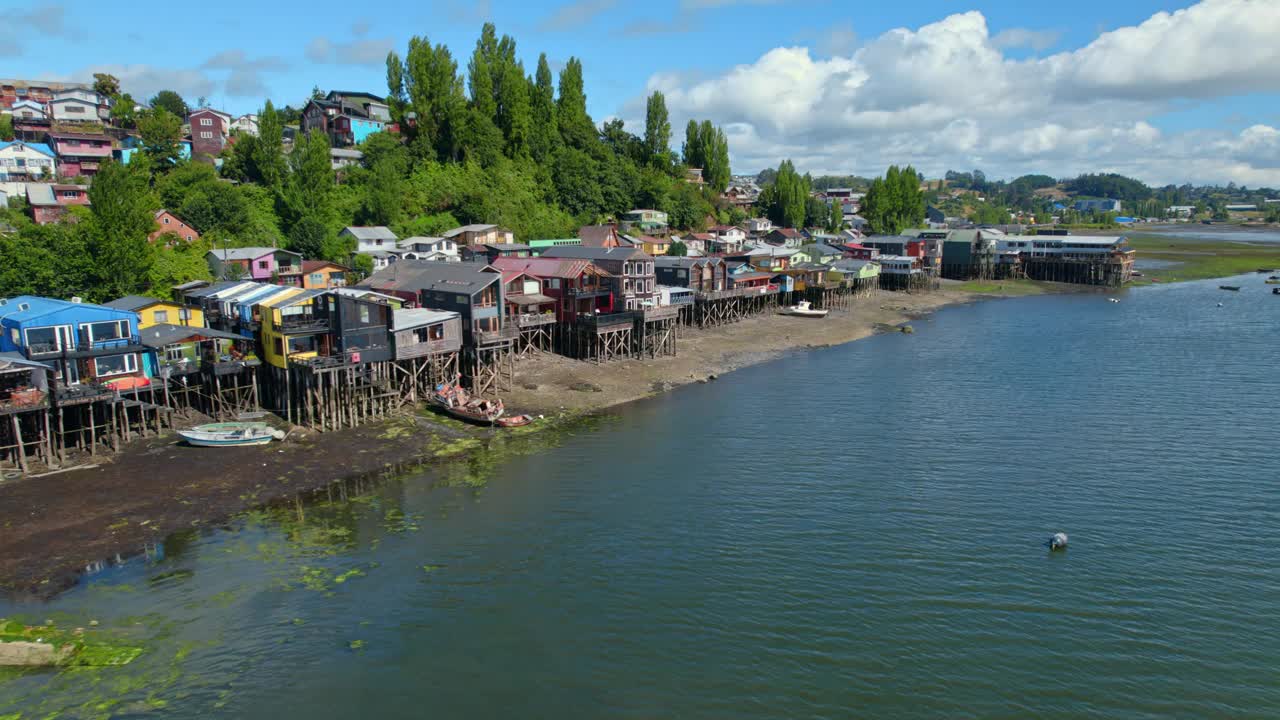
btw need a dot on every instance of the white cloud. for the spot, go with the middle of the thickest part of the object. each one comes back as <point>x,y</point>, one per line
<point>1026,38</point>
<point>244,77</point>
<point>48,20</point>
<point>144,81</point>
<point>839,39</point>
<point>575,14</point>
<point>946,95</point>
<point>362,51</point>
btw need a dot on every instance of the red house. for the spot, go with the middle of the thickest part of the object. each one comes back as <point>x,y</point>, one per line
<point>49,203</point>
<point>208,133</point>
<point>79,153</point>
<point>167,222</point>
<point>858,251</point>
<point>577,286</point>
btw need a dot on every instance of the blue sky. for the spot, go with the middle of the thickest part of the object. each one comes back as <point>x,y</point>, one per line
<point>856,85</point>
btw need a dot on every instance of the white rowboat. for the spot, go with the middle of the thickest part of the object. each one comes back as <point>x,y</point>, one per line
<point>803,309</point>
<point>231,434</point>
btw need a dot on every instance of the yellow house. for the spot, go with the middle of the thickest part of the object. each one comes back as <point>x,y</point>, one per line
<point>152,311</point>
<point>290,329</point>
<point>654,245</point>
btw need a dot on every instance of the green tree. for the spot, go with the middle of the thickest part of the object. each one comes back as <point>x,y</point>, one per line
<point>171,101</point>
<point>266,157</point>
<point>309,237</point>
<point>786,201</point>
<point>544,132</point>
<point>177,263</point>
<point>894,202</point>
<point>395,86</point>
<point>123,210</point>
<point>677,249</point>
<point>383,200</point>
<point>309,188</point>
<point>657,131</point>
<point>108,86</point>
<point>436,98</point>
<point>123,113</point>
<point>160,132</point>
<point>6,127</point>
<point>576,126</point>
<point>835,221</point>
<point>692,150</point>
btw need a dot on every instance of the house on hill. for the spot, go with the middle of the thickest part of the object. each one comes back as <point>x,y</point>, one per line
<point>479,234</point>
<point>256,263</point>
<point>167,222</point>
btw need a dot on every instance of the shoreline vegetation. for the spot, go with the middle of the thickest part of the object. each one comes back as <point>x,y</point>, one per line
<point>58,527</point>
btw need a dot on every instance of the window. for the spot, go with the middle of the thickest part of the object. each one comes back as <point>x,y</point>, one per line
<point>161,316</point>
<point>40,339</point>
<point>21,162</point>
<point>70,194</point>
<point>205,135</point>
<point>317,278</point>
<point>206,122</point>
<point>115,365</point>
<point>364,314</point>
<point>173,353</point>
<point>77,109</point>
<point>551,284</point>
<point>279,347</point>
<point>263,264</point>
<point>110,330</point>
<point>166,221</point>
<point>184,314</point>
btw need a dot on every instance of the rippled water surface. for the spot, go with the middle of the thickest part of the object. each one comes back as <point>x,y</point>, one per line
<point>850,532</point>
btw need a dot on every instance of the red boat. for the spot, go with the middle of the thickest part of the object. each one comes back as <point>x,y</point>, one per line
<point>454,400</point>
<point>513,421</point>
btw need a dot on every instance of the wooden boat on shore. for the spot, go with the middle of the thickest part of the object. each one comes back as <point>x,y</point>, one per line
<point>452,399</point>
<point>230,434</point>
<point>513,421</point>
<point>1232,288</point>
<point>804,309</point>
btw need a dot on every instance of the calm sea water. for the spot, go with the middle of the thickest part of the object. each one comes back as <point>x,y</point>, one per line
<point>850,532</point>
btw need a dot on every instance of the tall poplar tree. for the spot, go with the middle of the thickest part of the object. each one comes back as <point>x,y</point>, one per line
<point>657,131</point>
<point>544,130</point>
<point>571,107</point>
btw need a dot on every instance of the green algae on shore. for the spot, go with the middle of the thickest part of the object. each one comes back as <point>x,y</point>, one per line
<point>69,648</point>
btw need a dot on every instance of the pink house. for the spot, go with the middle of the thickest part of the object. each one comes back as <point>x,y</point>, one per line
<point>254,263</point>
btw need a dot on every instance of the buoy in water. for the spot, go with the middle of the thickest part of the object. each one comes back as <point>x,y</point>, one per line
<point>1058,541</point>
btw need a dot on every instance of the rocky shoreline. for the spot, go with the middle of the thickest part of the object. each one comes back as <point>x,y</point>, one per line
<point>55,528</point>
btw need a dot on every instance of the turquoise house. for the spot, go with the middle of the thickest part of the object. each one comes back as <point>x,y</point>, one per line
<point>133,144</point>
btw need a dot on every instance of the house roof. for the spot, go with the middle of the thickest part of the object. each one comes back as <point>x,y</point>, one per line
<point>752,276</point>
<point>822,248</point>
<point>161,334</point>
<point>420,240</point>
<point>77,136</point>
<point>365,294</point>
<point>370,232</point>
<point>354,94</point>
<point>594,254</point>
<point>134,302</point>
<point>505,247</point>
<point>544,266</point>
<point>247,253</point>
<point>417,317</point>
<point>346,153</point>
<point>529,299</point>
<point>596,235</point>
<point>468,228</point>
<point>39,306</point>
<point>310,266</point>
<point>214,288</point>
<point>41,148</point>
<point>787,232</point>
<point>40,194</point>
<point>418,275</point>
<point>285,300</point>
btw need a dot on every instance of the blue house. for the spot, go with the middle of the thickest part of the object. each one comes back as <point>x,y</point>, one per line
<point>133,144</point>
<point>84,343</point>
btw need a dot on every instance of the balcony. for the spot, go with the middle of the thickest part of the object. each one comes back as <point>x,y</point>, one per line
<point>665,312</point>
<point>493,337</point>
<point>22,400</point>
<point>528,320</point>
<point>587,292</point>
<point>303,326</point>
<point>611,320</point>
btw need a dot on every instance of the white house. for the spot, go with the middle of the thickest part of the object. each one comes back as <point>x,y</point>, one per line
<point>428,248</point>
<point>732,237</point>
<point>74,109</point>
<point>759,226</point>
<point>246,124</point>
<point>29,110</point>
<point>371,239</point>
<point>21,161</point>
<point>340,158</point>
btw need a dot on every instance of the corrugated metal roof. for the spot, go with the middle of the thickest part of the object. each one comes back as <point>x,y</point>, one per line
<point>132,302</point>
<point>417,317</point>
<point>246,253</point>
<point>418,275</point>
<point>40,194</point>
<point>161,334</point>
<point>371,232</point>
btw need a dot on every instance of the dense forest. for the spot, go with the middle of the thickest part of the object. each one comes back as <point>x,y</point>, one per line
<point>488,142</point>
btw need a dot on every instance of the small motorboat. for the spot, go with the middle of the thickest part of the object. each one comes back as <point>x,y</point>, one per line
<point>1275,291</point>
<point>513,421</point>
<point>1112,300</point>
<point>1273,280</point>
<point>1232,288</point>
<point>454,400</point>
<point>804,309</point>
<point>230,434</point>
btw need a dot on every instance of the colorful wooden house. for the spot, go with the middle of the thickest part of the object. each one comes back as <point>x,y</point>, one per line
<point>489,252</point>
<point>252,263</point>
<point>291,329</point>
<point>420,332</point>
<point>630,270</point>
<point>175,351</point>
<point>817,254</point>
<point>706,274</point>
<point>473,290</point>
<point>317,275</point>
<point>84,343</point>
<point>152,311</point>
<point>577,287</point>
